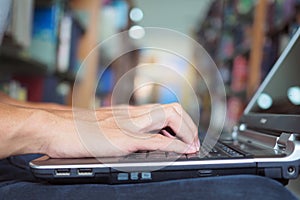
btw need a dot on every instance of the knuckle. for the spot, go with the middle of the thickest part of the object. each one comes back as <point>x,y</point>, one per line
<point>158,137</point>
<point>175,108</point>
<point>159,140</point>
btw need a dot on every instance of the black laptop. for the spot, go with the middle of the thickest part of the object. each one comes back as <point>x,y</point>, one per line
<point>266,142</point>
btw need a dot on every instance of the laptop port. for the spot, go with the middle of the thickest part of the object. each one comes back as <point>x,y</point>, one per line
<point>205,172</point>
<point>85,172</point>
<point>291,170</point>
<point>62,172</point>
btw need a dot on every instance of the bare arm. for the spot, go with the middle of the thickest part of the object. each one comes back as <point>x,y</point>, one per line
<point>113,131</point>
<point>8,100</point>
<point>17,133</point>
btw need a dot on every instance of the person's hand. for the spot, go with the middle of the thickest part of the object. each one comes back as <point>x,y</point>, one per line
<point>118,131</point>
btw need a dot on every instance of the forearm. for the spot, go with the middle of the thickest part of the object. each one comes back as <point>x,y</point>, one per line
<point>37,128</point>
<point>19,131</point>
<point>113,131</point>
<point>8,100</point>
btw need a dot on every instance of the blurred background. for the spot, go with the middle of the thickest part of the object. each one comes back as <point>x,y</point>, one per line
<point>47,40</point>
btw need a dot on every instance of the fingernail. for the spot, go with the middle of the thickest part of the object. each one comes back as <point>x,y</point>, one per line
<point>190,149</point>
<point>197,144</point>
<point>195,148</point>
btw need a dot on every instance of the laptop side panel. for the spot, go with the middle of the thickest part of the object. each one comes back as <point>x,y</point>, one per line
<point>120,173</point>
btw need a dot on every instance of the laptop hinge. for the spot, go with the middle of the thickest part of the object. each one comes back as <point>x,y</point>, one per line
<point>282,141</point>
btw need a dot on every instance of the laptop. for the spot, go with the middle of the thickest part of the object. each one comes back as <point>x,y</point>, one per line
<point>266,142</point>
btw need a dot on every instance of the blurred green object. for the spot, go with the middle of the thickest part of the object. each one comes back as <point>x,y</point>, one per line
<point>245,6</point>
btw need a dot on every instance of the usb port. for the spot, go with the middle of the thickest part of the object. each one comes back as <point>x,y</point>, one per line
<point>85,172</point>
<point>62,172</point>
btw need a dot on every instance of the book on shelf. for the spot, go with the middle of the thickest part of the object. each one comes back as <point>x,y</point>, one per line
<point>45,34</point>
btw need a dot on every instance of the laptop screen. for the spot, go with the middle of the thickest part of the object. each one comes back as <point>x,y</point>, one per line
<point>278,98</point>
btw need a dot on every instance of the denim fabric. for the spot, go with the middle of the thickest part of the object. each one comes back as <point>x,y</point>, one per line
<point>18,183</point>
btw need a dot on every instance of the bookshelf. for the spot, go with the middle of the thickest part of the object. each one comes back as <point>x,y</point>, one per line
<point>14,63</point>
<point>37,57</point>
<point>244,38</point>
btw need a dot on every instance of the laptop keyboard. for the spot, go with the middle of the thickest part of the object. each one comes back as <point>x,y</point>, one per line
<point>219,151</point>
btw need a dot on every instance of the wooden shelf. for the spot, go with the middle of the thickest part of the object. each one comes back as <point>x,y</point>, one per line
<point>13,63</point>
<point>65,76</point>
<point>45,3</point>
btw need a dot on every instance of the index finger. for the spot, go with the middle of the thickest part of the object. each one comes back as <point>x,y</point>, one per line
<point>158,117</point>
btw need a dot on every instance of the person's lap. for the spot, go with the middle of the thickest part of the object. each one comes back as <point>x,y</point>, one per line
<point>16,182</point>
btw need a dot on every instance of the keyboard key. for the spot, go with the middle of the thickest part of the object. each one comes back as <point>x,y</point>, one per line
<point>229,151</point>
<point>175,156</point>
<point>193,156</point>
<point>135,157</point>
<point>156,155</point>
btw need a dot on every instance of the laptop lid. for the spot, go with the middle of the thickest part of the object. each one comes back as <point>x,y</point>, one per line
<point>276,104</point>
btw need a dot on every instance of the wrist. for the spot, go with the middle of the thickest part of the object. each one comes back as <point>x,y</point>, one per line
<point>36,131</point>
<point>56,134</point>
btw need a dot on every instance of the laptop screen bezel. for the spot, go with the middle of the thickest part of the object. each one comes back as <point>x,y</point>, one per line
<point>275,122</point>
